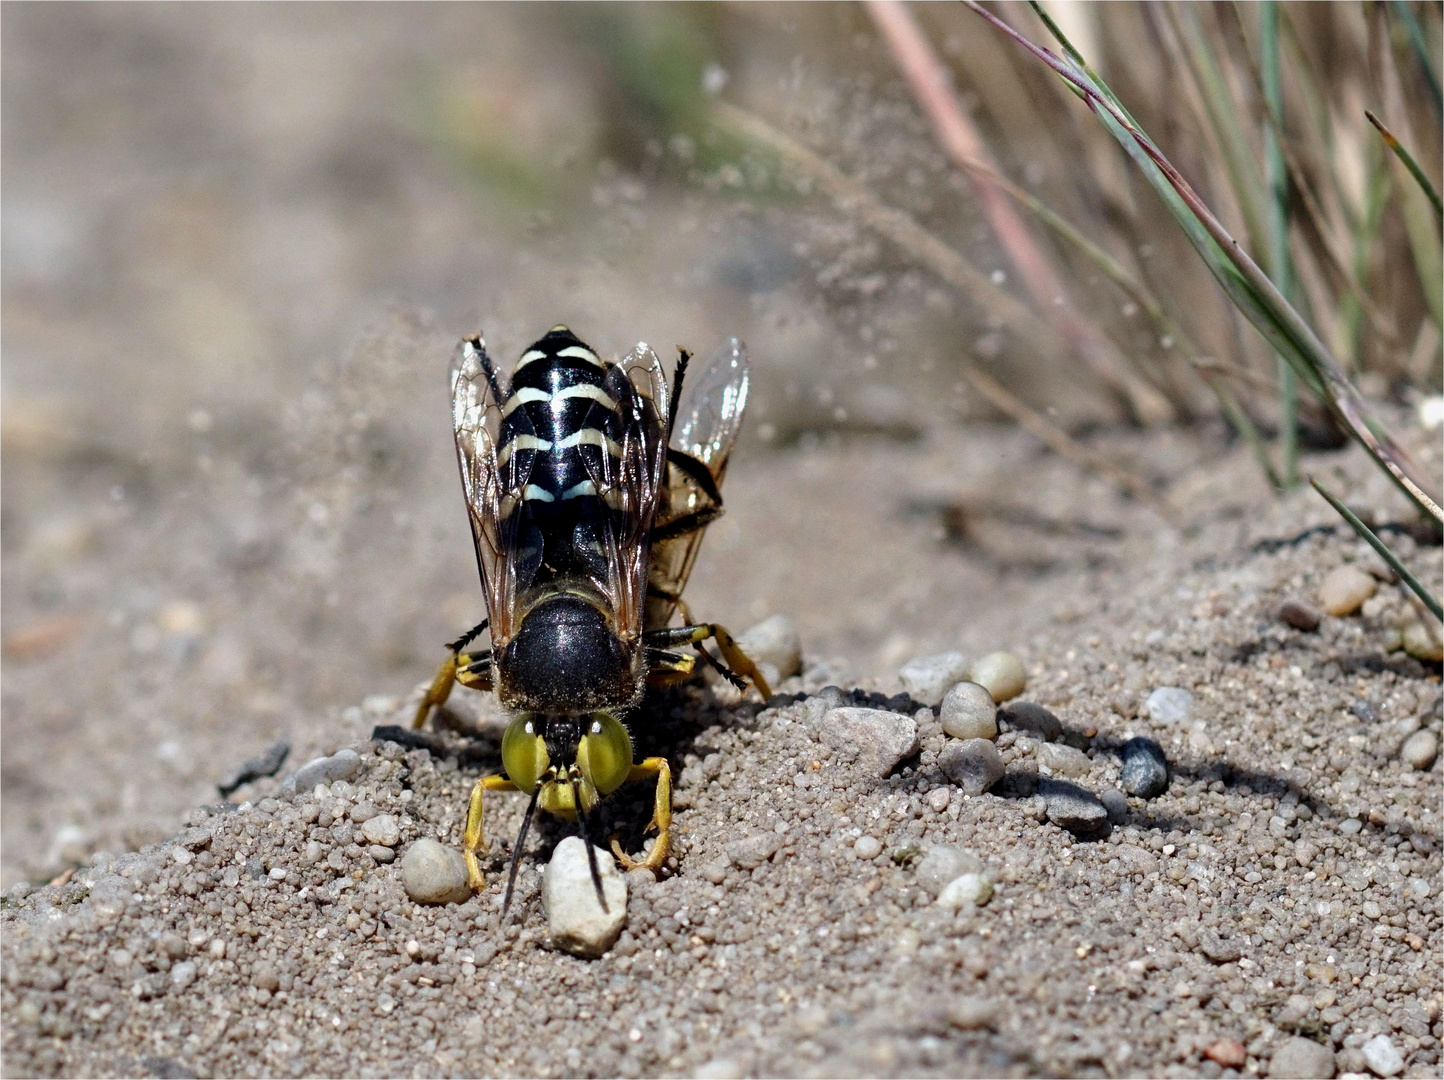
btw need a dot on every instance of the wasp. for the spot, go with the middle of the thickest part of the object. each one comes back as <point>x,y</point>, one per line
<point>588,492</point>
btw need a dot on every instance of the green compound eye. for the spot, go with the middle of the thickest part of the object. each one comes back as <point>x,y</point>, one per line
<point>605,753</point>
<point>524,754</point>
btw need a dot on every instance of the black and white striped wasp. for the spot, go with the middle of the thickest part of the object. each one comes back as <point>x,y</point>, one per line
<point>588,491</point>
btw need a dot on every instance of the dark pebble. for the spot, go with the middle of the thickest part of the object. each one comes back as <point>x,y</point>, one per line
<point>1145,769</point>
<point>1116,803</point>
<point>973,764</point>
<point>1299,615</point>
<point>1073,808</point>
<point>1032,718</point>
<point>1221,950</point>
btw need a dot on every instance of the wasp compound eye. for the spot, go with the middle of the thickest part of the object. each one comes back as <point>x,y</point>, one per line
<point>604,753</point>
<point>524,753</point>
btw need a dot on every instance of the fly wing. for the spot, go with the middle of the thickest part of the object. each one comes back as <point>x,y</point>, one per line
<point>492,493</point>
<point>630,483</point>
<point>708,421</point>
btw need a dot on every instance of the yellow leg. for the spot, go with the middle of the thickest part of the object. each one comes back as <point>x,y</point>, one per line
<point>439,692</point>
<point>661,814</point>
<point>474,841</point>
<point>739,661</point>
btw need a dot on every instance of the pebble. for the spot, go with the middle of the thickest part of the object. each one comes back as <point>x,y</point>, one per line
<point>966,890</point>
<point>1304,1059</point>
<point>1063,760</point>
<point>1299,615</point>
<point>1001,674</point>
<point>939,799</point>
<point>1145,768</point>
<point>1116,803</point>
<point>1219,949</point>
<point>1033,718</point>
<point>927,678</point>
<point>973,764</point>
<point>867,847</point>
<point>341,765</point>
<point>1421,644</point>
<point>183,974</point>
<point>971,1013</point>
<point>943,863</point>
<point>1230,1053</point>
<point>969,712</point>
<point>267,763</point>
<point>435,874</point>
<point>383,830</point>
<point>776,642</point>
<point>1382,1058</point>
<point>578,922</point>
<point>876,739</point>
<point>1419,750</point>
<point>1072,807</point>
<point>1345,589</point>
<point>1169,705</point>
<point>750,852</point>
<point>381,854</point>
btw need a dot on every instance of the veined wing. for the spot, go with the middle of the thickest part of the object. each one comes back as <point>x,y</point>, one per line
<point>492,493</point>
<point>708,421</point>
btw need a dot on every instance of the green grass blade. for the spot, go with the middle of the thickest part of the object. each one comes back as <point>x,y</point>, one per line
<point>1383,549</point>
<point>1277,213</point>
<point>1409,163</point>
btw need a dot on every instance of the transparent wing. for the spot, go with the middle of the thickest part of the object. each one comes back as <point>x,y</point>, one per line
<point>708,421</point>
<point>631,484</point>
<point>491,494</point>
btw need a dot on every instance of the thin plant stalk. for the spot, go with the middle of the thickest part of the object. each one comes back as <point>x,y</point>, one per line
<point>1409,163</point>
<point>1277,214</point>
<point>1382,548</point>
<point>1246,284</point>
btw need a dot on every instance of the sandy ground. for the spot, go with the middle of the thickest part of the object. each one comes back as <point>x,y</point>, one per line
<point>264,540</point>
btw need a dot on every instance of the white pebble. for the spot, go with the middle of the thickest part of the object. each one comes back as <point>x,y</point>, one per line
<point>969,712</point>
<point>1419,750</point>
<point>578,923</point>
<point>927,678</point>
<point>1381,1056</point>
<point>774,641</point>
<point>434,873</point>
<point>382,829</point>
<point>1169,705</point>
<point>1001,674</point>
<point>183,974</point>
<point>968,890</point>
<point>867,847</point>
<point>1345,589</point>
<point>1422,643</point>
<point>938,799</point>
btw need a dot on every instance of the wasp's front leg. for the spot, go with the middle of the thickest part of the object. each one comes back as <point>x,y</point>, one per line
<point>661,815</point>
<point>458,667</point>
<point>474,841</point>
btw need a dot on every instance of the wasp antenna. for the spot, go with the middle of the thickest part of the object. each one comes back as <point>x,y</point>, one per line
<point>516,852</point>
<point>683,359</point>
<point>591,851</point>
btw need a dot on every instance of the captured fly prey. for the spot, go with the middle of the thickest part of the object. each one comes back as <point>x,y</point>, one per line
<point>588,491</point>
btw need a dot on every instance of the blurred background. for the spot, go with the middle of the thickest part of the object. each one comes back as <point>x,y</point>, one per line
<point>240,241</point>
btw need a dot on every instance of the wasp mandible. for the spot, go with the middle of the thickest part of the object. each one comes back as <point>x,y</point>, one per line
<point>588,491</point>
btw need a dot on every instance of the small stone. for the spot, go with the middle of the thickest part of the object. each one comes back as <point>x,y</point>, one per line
<point>968,712</point>
<point>1145,769</point>
<point>1169,705</point>
<point>383,829</point>
<point>971,1013</point>
<point>750,852</point>
<point>721,1068</point>
<point>1230,1053</point>
<point>381,854</point>
<point>264,977</point>
<point>973,764</point>
<point>716,871</point>
<point>579,923</point>
<point>927,678</point>
<point>1116,803</point>
<point>1381,1057</point>
<point>1345,589</point>
<point>1001,674</point>
<point>1034,719</point>
<point>363,812</point>
<point>1219,949</point>
<point>182,974</point>
<point>1421,644</point>
<point>434,873</point>
<point>775,642</point>
<point>944,863</point>
<point>1419,750</point>
<point>1302,1059</point>
<point>966,890</point>
<point>877,740</point>
<point>342,765</point>
<point>867,847</point>
<point>1073,808</point>
<point>1299,615</point>
<point>1305,852</point>
<point>939,799</point>
<point>1063,760</point>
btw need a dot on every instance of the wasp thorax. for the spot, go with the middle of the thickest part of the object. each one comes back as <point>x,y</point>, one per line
<point>567,659</point>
